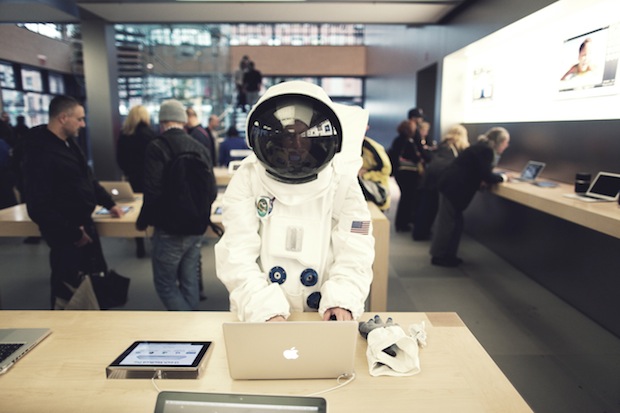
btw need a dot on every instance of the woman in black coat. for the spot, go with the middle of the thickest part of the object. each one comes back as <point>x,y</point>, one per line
<point>407,164</point>
<point>457,186</point>
<point>135,136</point>
<point>452,144</point>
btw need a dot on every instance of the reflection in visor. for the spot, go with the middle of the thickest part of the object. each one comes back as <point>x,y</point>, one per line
<point>294,137</point>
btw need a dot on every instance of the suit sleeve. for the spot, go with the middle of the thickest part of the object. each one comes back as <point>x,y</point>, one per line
<point>350,276</point>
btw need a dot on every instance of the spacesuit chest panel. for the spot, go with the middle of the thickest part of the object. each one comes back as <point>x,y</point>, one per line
<point>297,233</point>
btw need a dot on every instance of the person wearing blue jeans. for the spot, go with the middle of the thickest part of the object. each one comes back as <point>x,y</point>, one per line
<point>179,187</point>
<point>174,269</point>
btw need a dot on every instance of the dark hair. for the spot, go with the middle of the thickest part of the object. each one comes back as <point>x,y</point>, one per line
<point>61,104</point>
<point>232,132</point>
<point>415,113</point>
<point>405,128</point>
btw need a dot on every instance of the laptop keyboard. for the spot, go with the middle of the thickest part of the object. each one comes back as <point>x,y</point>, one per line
<point>8,349</point>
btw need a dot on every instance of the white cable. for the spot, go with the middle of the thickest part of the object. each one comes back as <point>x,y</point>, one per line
<point>157,375</point>
<point>349,377</point>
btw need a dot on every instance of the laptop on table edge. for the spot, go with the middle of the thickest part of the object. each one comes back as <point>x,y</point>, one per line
<point>530,172</point>
<point>290,350</point>
<point>120,191</point>
<point>16,342</point>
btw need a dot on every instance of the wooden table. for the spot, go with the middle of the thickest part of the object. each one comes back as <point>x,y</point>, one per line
<point>222,176</point>
<point>599,216</point>
<point>66,372</point>
<point>15,222</point>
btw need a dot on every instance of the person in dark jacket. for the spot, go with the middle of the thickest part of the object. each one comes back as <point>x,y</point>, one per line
<point>233,148</point>
<point>252,82</point>
<point>457,186</point>
<point>62,193</point>
<point>200,133</point>
<point>136,134</point>
<point>452,144</point>
<point>407,165</point>
<point>176,256</point>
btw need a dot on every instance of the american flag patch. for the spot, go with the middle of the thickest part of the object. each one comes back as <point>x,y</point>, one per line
<point>360,227</point>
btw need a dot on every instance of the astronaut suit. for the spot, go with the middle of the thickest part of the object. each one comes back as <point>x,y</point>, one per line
<point>298,234</point>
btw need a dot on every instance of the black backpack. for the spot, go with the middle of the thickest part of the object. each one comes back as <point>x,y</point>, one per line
<point>189,189</point>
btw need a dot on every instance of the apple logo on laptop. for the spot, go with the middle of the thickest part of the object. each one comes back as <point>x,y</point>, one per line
<point>291,353</point>
<point>114,191</point>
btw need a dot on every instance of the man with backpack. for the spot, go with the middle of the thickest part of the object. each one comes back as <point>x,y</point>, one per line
<point>179,189</point>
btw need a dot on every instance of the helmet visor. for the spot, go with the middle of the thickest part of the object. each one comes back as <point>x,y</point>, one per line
<point>294,136</point>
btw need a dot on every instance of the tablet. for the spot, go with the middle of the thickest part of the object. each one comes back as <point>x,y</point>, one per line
<point>186,402</point>
<point>545,184</point>
<point>161,359</point>
<point>104,211</point>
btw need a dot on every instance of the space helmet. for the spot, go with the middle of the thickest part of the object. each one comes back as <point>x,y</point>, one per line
<point>294,132</point>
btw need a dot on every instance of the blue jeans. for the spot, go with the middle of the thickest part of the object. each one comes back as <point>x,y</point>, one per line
<point>175,269</point>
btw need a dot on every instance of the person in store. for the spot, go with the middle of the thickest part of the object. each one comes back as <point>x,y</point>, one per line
<point>62,193</point>
<point>198,132</point>
<point>213,126</point>
<point>231,146</point>
<point>252,83</point>
<point>407,166</point>
<point>458,184</point>
<point>177,205</point>
<point>375,172</point>
<point>135,135</point>
<point>298,231</point>
<point>452,144</point>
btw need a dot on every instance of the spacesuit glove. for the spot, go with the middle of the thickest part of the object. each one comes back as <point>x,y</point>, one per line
<point>374,323</point>
<point>389,335</point>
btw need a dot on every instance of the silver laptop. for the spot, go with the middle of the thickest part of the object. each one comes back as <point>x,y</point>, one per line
<point>291,349</point>
<point>119,190</point>
<point>604,188</point>
<point>531,171</point>
<point>188,402</point>
<point>16,342</point>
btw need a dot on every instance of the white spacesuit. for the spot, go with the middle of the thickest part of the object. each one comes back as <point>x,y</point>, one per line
<point>298,234</point>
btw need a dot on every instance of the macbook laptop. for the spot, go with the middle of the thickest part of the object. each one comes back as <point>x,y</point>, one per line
<point>16,342</point>
<point>530,172</point>
<point>604,188</point>
<point>290,350</point>
<point>187,402</point>
<point>119,190</point>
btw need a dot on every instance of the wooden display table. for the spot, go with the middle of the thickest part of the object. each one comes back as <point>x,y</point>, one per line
<point>66,372</point>
<point>15,222</point>
<point>599,216</point>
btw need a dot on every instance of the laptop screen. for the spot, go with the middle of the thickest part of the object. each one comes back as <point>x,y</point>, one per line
<point>187,402</point>
<point>605,184</point>
<point>532,170</point>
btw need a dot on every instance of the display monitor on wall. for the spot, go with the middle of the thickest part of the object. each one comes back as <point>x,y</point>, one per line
<point>558,64</point>
<point>591,61</point>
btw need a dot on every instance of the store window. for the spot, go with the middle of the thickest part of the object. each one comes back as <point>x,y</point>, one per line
<point>57,84</point>
<point>32,80</point>
<point>7,76</point>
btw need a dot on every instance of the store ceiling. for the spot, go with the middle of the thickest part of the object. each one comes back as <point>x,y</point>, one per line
<point>419,12</point>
